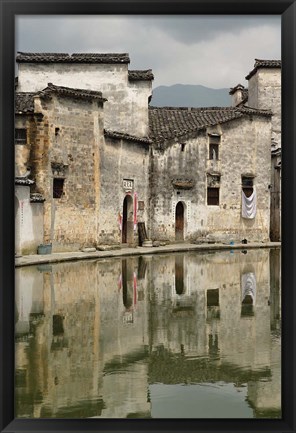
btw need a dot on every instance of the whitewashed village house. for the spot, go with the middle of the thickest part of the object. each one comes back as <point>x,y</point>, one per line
<point>93,160</point>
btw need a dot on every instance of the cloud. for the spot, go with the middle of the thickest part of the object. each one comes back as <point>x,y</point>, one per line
<point>214,51</point>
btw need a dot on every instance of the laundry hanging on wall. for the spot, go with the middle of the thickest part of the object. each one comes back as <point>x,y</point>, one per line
<point>249,205</point>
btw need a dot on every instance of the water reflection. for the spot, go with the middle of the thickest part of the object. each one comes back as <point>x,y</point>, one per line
<point>123,337</point>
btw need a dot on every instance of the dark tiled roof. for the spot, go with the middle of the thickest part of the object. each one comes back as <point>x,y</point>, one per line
<point>264,64</point>
<point>122,135</point>
<point>73,93</point>
<point>168,123</point>
<point>24,102</point>
<point>74,58</point>
<point>140,75</point>
<point>234,89</point>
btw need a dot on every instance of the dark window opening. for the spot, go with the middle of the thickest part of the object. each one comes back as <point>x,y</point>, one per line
<point>57,324</point>
<point>213,298</point>
<point>247,185</point>
<point>141,205</point>
<point>20,136</point>
<point>213,197</point>
<point>58,187</point>
<point>179,275</point>
<point>182,147</point>
<point>214,151</point>
<point>56,131</point>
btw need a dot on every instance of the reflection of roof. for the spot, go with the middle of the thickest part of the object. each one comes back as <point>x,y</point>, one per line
<point>74,58</point>
<point>264,64</point>
<point>124,136</point>
<point>73,93</point>
<point>23,181</point>
<point>140,75</point>
<point>168,123</point>
<point>182,370</point>
<point>36,197</point>
<point>24,102</point>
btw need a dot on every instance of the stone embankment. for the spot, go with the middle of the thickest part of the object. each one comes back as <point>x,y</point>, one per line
<point>35,259</point>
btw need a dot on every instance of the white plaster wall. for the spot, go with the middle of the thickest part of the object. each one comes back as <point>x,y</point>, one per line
<point>28,222</point>
<point>265,93</point>
<point>127,106</point>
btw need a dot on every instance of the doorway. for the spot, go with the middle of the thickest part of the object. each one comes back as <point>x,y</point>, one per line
<point>179,223</point>
<point>127,220</point>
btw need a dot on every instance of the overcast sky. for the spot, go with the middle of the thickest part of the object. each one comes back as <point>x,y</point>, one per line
<point>214,51</point>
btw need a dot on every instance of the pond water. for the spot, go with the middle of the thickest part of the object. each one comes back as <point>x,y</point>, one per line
<point>190,335</point>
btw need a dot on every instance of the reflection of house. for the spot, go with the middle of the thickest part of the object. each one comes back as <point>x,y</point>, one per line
<point>103,160</point>
<point>85,360</point>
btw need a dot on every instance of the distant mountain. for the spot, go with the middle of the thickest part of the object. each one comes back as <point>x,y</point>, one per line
<point>189,95</point>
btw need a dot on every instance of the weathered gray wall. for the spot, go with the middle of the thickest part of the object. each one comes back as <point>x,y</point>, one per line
<point>244,148</point>
<point>70,221</point>
<point>127,106</point>
<point>265,92</point>
<point>122,159</point>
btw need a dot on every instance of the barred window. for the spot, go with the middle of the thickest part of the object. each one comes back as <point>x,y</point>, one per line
<point>58,187</point>
<point>247,186</point>
<point>20,136</point>
<point>213,196</point>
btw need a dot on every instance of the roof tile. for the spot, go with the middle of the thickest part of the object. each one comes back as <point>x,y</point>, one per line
<point>137,75</point>
<point>264,64</point>
<point>124,136</point>
<point>169,123</point>
<point>24,102</point>
<point>74,93</point>
<point>74,58</point>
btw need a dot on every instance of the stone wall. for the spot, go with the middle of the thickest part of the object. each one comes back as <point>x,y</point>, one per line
<point>22,151</point>
<point>244,149</point>
<point>66,147</point>
<point>127,107</point>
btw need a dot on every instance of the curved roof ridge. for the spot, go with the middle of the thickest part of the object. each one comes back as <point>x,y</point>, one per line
<point>27,57</point>
<point>261,63</point>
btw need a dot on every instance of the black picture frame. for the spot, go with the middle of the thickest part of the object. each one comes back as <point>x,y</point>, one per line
<point>287,10</point>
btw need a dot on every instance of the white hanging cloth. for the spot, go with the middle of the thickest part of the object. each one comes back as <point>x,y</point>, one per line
<point>249,205</point>
<point>249,286</point>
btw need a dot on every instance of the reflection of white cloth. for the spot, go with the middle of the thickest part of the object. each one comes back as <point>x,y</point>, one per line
<point>249,286</point>
<point>249,206</point>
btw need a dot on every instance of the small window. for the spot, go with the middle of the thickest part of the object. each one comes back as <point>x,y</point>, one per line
<point>58,188</point>
<point>214,141</point>
<point>20,136</point>
<point>247,185</point>
<point>141,205</point>
<point>214,151</point>
<point>213,297</point>
<point>213,197</point>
